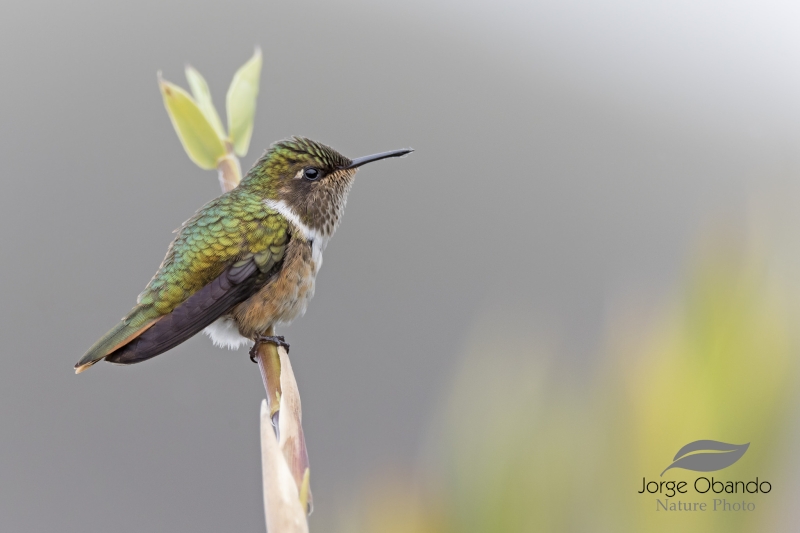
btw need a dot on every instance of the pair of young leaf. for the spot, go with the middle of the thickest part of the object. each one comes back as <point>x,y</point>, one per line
<point>196,120</point>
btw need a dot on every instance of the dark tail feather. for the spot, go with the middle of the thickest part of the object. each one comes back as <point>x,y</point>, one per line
<point>127,330</point>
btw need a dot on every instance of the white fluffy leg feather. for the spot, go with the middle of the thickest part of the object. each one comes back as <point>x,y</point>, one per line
<point>225,334</point>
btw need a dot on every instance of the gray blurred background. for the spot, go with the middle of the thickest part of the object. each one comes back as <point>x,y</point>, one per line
<point>566,155</point>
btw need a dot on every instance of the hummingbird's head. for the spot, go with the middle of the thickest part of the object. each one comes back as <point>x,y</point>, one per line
<point>308,181</point>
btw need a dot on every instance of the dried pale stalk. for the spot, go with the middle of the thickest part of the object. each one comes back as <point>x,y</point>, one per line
<point>283,414</point>
<point>283,510</point>
<point>292,440</point>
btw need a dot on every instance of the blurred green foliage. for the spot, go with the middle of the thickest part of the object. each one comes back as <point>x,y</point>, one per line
<point>525,443</point>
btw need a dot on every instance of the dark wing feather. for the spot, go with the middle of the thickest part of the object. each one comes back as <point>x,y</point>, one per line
<point>236,283</point>
<point>208,269</point>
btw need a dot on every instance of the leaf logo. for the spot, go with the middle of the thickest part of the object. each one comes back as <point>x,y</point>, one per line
<point>715,455</point>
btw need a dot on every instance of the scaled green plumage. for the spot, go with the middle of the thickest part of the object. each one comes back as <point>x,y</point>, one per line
<point>227,229</point>
<point>234,227</point>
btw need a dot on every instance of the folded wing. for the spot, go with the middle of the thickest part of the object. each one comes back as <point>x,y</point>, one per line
<point>221,256</point>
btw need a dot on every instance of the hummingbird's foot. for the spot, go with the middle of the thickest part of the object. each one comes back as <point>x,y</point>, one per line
<point>277,340</point>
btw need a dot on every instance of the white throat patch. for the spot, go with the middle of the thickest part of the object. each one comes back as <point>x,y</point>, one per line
<point>318,239</point>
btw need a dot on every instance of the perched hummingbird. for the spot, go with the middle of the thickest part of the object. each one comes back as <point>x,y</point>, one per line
<point>244,262</point>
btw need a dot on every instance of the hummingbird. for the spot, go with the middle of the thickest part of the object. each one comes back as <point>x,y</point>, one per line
<point>246,261</point>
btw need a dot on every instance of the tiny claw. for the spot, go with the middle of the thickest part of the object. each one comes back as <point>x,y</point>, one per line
<point>277,340</point>
<point>253,352</point>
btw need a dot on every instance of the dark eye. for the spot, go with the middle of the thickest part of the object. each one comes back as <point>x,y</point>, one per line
<point>311,174</point>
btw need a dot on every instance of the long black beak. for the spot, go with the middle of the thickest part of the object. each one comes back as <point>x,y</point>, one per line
<point>375,157</point>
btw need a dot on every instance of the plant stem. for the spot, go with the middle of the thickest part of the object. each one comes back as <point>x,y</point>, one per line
<point>283,510</point>
<point>230,171</point>
<point>292,443</point>
<point>269,362</point>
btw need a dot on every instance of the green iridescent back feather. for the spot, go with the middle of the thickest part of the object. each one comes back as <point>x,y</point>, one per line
<point>234,227</point>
